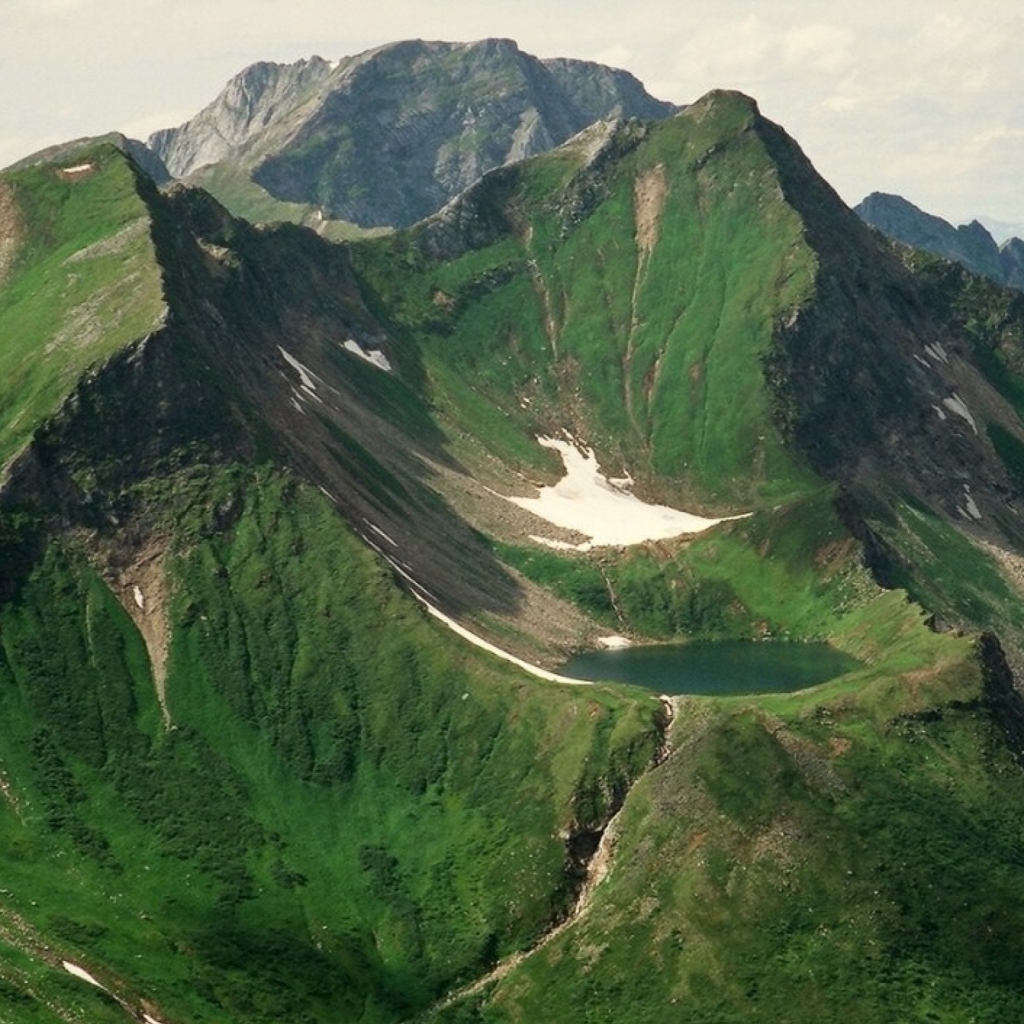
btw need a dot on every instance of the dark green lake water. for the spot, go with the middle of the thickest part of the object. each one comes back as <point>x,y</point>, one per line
<point>714,668</point>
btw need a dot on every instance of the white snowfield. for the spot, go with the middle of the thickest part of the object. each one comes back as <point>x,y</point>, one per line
<point>586,501</point>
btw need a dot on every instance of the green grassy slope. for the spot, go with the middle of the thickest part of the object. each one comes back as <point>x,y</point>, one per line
<point>350,811</point>
<point>629,298</point>
<point>842,855</point>
<point>233,187</point>
<point>343,813</point>
<point>83,283</point>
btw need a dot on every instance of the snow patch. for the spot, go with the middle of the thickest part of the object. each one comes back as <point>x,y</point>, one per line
<point>937,352</point>
<point>923,362</point>
<point>559,545</point>
<point>380,533</point>
<point>374,356</point>
<point>614,643</point>
<point>586,501</point>
<point>958,407</point>
<point>81,972</point>
<point>150,1020</point>
<point>140,600</point>
<point>307,379</point>
<point>970,509</point>
<point>426,599</point>
<point>940,412</point>
<point>77,169</point>
<point>477,641</point>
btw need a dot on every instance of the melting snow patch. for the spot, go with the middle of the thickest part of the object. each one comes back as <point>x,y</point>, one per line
<point>584,500</point>
<point>373,356</point>
<point>939,410</point>
<point>971,509</point>
<point>956,405</point>
<point>380,533</point>
<point>480,642</point>
<point>306,378</point>
<point>923,362</point>
<point>81,972</point>
<point>77,169</point>
<point>614,643</point>
<point>139,599</point>
<point>937,352</point>
<point>150,1020</point>
<point>426,599</point>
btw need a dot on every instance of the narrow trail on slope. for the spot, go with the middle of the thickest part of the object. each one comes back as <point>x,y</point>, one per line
<point>598,867</point>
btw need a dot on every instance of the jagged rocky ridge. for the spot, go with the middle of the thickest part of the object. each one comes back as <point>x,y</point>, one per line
<point>971,245</point>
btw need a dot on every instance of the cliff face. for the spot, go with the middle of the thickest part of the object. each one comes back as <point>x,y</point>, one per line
<point>388,136</point>
<point>250,102</point>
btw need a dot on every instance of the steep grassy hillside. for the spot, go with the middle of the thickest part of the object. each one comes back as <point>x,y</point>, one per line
<point>337,814</point>
<point>850,855</point>
<point>625,290</point>
<point>80,280</point>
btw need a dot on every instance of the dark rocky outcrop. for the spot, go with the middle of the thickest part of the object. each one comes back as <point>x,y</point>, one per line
<point>1001,695</point>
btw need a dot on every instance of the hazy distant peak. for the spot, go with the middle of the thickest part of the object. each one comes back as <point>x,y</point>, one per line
<point>970,245</point>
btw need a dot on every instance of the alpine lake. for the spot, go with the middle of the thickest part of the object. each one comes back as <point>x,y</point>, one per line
<point>714,668</point>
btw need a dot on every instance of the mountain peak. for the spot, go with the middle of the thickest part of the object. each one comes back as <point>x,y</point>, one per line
<point>388,136</point>
<point>971,245</point>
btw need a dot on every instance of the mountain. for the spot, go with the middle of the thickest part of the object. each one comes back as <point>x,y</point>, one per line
<point>140,153</point>
<point>265,499</point>
<point>388,136</point>
<point>1001,230</point>
<point>970,244</point>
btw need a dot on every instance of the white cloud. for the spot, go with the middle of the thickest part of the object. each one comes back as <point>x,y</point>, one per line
<point>819,48</point>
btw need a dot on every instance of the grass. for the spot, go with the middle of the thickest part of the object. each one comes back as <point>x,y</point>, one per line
<point>564,324</point>
<point>354,813</point>
<point>85,283</point>
<point>233,187</point>
<point>791,573</point>
<point>351,812</point>
<point>803,861</point>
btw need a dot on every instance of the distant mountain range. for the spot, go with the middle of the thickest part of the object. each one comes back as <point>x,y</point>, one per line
<point>388,136</point>
<point>970,245</point>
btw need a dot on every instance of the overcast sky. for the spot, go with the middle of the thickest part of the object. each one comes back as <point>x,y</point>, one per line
<point>920,97</point>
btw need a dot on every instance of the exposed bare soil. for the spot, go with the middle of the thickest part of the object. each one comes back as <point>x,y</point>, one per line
<point>136,574</point>
<point>649,193</point>
<point>10,230</point>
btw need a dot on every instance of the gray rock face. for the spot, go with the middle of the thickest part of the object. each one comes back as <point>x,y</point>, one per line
<point>970,245</point>
<point>391,135</point>
<point>1012,257</point>
<point>252,101</point>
